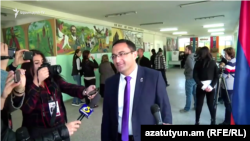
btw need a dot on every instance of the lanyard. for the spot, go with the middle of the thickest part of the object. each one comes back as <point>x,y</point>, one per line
<point>47,88</point>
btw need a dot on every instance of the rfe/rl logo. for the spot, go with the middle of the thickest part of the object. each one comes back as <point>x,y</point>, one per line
<point>15,10</point>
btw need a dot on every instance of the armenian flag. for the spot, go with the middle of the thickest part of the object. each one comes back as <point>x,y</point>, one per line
<point>241,96</point>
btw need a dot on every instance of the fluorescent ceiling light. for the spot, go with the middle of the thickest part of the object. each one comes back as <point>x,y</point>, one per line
<point>216,30</point>
<point>213,25</point>
<point>169,29</point>
<point>184,32</point>
<point>217,33</point>
<point>192,3</point>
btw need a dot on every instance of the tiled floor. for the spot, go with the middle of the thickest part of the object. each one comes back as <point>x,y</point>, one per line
<point>90,128</point>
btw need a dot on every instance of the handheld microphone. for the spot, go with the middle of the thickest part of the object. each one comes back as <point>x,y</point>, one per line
<point>22,134</point>
<point>155,110</point>
<point>85,111</point>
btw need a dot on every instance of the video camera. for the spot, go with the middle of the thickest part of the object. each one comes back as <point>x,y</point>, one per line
<point>53,69</point>
<point>27,55</point>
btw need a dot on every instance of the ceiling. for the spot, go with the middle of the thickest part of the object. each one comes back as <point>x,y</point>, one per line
<point>153,11</point>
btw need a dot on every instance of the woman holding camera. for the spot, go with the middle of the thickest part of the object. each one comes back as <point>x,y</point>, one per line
<point>43,93</point>
<point>228,75</point>
<point>205,75</point>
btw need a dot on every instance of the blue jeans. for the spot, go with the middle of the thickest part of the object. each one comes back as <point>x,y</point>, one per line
<point>77,78</point>
<point>190,87</point>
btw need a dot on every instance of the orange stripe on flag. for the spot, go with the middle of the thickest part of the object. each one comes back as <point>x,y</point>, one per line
<point>232,120</point>
<point>217,42</point>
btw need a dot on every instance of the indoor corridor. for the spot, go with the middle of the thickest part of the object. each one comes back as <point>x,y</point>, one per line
<point>90,130</point>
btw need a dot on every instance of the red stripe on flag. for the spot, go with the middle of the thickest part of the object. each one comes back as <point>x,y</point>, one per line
<point>232,120</point>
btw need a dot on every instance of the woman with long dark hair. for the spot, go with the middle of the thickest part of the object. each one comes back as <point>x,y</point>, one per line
<point>76,73</point>
<point>205,75</point>
<point>88,68</point>
<point>43,108</point>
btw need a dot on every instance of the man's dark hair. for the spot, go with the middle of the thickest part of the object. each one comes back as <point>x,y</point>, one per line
<point>189,47</point>
<point>130,44</point>
<point>153,50</point>
<point>72,27</point>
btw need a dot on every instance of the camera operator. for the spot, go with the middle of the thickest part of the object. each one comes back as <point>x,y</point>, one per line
<point>12,95</point>
<point>44,88</point>
<point>228,74</point>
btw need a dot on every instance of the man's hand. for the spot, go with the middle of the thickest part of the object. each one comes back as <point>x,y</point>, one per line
<point>21,88</point>
<point>4,52</point>
<point>9,85</point>
<point>19,58</point>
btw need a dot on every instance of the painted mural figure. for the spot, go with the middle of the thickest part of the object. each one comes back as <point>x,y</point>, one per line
<point>82,39</point>
<point>72,37</point>
<point>13,41</point>
<point>98,36</point>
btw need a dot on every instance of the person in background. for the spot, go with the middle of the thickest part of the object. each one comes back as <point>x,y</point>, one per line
<point>205,75</point>
<point>44,91</point>
<point>152,58</point>
<point>160,65</point>
<point>76,73</point>
<point>228,74</point>
<point>88,69</point>
<point>190,85</point>
<point>106,69</point>
<point>142,60</point>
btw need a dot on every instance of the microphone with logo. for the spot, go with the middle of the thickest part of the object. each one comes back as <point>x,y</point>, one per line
<point>85,111</point>
<point>156,111</point>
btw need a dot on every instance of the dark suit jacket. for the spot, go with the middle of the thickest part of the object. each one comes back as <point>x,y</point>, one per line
<point>152,90</point>
<point>144,62</point>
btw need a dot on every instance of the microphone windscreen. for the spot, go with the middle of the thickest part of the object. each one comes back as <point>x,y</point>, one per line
<point>155,108</point>
<point>86,110</point>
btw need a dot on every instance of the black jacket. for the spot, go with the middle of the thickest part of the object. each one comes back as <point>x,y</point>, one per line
<point>152,60</point>
<point>88,68</point>
<point>144,62</point>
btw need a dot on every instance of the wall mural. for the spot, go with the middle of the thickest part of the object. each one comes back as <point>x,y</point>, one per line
<point>117,34</point>
<point>172,44</point>
<point>74,35</point>
<point>41,37</point>
<point>15,37</point>
<point>135,37</point>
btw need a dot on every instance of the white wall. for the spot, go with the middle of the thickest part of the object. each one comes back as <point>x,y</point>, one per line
<point>1,35</point>
<point>159,42</point>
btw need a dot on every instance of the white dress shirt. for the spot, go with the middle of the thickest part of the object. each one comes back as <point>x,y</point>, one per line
<point>122,86</point>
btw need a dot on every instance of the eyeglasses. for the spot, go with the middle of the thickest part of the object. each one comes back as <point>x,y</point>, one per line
<point>121,54</point>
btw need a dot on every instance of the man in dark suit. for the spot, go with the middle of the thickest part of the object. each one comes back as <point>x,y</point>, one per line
<point>127,107</point>
<point>142,60</point>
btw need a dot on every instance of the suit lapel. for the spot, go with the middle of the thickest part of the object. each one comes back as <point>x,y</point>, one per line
<point>138,87</point>
<point>116,93</point>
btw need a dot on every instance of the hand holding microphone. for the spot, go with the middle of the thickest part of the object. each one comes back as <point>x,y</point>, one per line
<point>73,126</point>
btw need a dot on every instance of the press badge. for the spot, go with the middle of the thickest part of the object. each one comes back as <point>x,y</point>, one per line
<point>52,106</point>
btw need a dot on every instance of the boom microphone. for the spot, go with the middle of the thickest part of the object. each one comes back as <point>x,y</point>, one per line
<point>85,111</point>
<point>155,110</point>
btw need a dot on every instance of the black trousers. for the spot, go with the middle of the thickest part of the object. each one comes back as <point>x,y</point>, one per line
<point>163,75</point>
<point>228,109</point>
<point>102,89</point>
<point>87,84</point>
<point>200,95</point>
